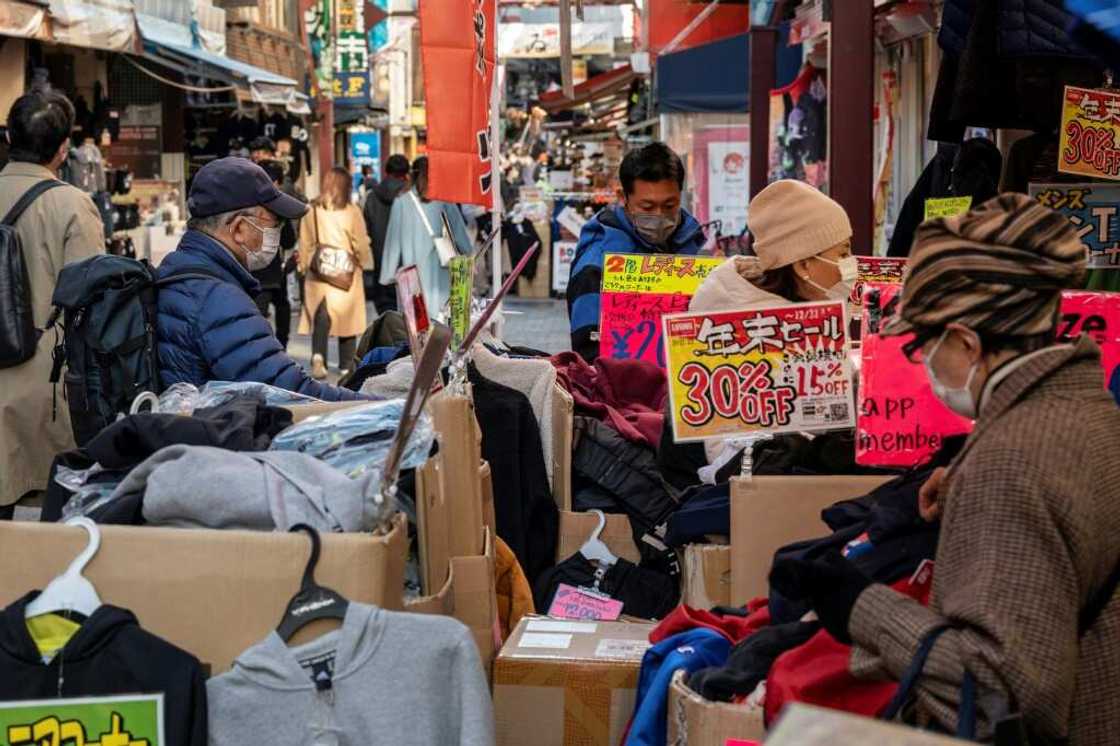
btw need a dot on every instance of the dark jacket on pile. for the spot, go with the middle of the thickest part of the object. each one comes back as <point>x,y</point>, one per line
<point>109,655</point>
<point>644,592</point>
<point>211,329</point>
<point>379,202</point>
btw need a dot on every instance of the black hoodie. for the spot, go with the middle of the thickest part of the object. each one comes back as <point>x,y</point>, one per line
<point>109,655</point>
<point>379,202</point>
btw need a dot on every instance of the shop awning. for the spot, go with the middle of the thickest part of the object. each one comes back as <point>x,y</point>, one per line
<point>24,18</point>
<point>165,44</point>
<point>96,24</point>
<point>606,85</point>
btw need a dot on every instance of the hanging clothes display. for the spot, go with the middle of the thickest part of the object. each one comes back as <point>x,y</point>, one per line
<point>799,129</point>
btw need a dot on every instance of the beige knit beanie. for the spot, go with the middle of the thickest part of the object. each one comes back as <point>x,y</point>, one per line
<point>791,221</point>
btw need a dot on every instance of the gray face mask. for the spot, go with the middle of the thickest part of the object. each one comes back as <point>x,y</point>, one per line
<point>656,229</point>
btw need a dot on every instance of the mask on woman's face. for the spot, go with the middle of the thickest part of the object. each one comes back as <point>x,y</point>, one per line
<point>959,400</point>
<point>849,272</point>
<point>655,228</point>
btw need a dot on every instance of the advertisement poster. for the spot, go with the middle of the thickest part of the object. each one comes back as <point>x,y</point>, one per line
<point>902,423</point>
<point>365,150</point>
<point>1088,144</point>
<point>947,207</point>
<point>876,269</point>
<point>1093,211</point>
<point>563,254</point>
<point>637,290</point>
<point>462,282</point>
<point>135,720</point>
<point>773,370</point>
<point>721,157</point>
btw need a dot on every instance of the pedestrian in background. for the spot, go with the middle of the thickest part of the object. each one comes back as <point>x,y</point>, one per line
<point>379,202</point>
<point>334,249</point>
<point>61,226</point>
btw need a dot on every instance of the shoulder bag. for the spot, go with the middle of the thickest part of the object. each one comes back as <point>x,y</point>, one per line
<point>445,247</point>
<point>331,264</point>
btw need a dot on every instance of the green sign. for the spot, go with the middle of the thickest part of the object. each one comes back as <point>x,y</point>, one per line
<point>947,207</point>
<point>135,720</point>
<point>462,283</point>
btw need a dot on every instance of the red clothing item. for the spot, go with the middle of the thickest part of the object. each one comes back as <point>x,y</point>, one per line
<point>817,672</point>
<point>628,395</point>
<point>734,628</point>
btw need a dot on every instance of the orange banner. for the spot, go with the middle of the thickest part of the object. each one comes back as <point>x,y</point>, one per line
<point>457,50</point>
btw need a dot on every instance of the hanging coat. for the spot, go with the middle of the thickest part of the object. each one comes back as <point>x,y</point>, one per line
<point>345,228</point>
<point>408,242</point>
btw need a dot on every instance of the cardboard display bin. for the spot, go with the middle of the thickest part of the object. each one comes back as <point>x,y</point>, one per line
<point>564,683</point>
<point>211,593</point>
<point>768,513</point>
<point>695,721</point>
<point>706,575</point>
<point>576,528</point>
<point>806,725</point>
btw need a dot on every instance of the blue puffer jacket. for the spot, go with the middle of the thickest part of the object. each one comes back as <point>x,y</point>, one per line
<point>211,330</point>
<point>610,232</point>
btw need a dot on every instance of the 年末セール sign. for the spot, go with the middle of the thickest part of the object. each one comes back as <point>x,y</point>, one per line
<point>1088,141</point>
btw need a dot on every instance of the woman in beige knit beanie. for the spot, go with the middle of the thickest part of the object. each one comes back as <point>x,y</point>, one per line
<point>803,252</point>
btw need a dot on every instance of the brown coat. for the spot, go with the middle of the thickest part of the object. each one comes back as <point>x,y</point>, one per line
<point>345,228</point>
<point>1029,534</point>
<point>60,227</point>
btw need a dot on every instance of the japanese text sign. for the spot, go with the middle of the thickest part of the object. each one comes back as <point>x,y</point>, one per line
<point>570,602</point>
<point>1088,144</point>
<point>462,282</point>
<point>95,721</point>
<point>1094,211</point>
<point>772,370</point>
<point>876,269</point>
<point>947,207</point>
<point>902,423</point>
<point>637,290</point>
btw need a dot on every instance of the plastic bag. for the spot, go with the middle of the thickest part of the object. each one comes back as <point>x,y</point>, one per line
<point>185,398</point>
<point>357,440</point>
<point>88,496</point>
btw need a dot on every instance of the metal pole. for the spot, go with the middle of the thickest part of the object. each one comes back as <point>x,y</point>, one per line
<point>496,163</point>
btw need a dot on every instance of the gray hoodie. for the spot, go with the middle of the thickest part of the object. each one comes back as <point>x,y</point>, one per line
<point>384,677</point>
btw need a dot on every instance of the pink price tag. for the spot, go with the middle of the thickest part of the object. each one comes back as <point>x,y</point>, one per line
<point>740,742</point>
<point>576,603</point>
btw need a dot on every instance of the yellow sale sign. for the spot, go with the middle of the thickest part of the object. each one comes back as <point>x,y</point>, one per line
<point>1089,145</point>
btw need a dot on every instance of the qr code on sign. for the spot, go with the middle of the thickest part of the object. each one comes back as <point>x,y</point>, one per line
<point>838,412</point>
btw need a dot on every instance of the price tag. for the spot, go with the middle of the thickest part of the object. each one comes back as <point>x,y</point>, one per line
<point>571,602</point>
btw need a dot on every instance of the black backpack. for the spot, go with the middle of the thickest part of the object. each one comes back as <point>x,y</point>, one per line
<point>18,336</point>
<point>108,344</point>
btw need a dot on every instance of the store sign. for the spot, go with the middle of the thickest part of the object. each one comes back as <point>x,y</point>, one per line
<point>637,291</point>
<point>563,255</point>
<point>542,40</point>
<point>350,85</point>
<point>876,269</point>
<point>947,207</point>
<point>461,269</point>
<point>1089,143</point>
<point>320,45</point>
<point>90,721</point>
<point>902,423</point>
<point>365,150</point>
<point>1094,211</point>
<point>775,370</point>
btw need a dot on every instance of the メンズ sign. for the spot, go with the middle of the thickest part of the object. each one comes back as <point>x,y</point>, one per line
<point>947,207</point>
<point>637,290</point>
<point>135,720</point>
<point>1088,139</point>
<point>1094,211</point>
<point>773,370</point>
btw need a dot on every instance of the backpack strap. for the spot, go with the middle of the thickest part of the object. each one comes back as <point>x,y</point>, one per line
<point>1097,604</point>
<point>28,197</point>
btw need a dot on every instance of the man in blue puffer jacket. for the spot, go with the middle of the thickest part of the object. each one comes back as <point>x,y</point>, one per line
<point>649,220</point>
<point>209,329</point>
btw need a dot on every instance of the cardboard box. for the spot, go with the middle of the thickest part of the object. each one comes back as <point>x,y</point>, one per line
<point>695,721</point>
<point>806,725</point>
<point>301,412</point>
<point>768,513</point>
<point>706,575</point>
<point>460,455</point>
<point>212,593</point>
<point>561,683</point>
<point>576,528</point>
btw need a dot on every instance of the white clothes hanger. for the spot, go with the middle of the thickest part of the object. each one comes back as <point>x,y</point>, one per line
<point>70,591</point>
<point>594,549</point>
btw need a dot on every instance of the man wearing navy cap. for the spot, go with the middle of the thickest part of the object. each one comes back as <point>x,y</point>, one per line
<point>210,329</point>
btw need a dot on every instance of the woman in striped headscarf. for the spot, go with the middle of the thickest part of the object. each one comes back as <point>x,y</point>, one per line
<point>1023,599</point>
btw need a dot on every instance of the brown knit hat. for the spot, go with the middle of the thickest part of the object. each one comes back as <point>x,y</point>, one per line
<point>999,269</point>
<point>791,221</point>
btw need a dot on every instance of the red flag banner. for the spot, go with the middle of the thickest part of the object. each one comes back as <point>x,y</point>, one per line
<point>457,50</point>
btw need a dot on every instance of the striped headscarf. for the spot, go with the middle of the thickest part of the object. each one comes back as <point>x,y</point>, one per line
<point>998,270</point>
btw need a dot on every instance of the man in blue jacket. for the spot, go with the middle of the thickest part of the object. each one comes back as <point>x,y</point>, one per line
<point>210,329</point>
<point>648,220</point>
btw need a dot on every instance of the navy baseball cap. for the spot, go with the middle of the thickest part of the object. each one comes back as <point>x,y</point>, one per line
<point>229,184</point>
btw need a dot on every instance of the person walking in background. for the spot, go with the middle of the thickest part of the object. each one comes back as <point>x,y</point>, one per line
<point>334,249</point>
<point>273,278</point>
<point>414,224</point>
<point>379,202</point>
<point>59,227</point>
<point>262,149</point>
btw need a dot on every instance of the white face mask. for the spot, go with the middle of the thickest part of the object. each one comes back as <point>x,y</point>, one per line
<point>849,272</point>
<point>255,261</point>
<point>959,400</point>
